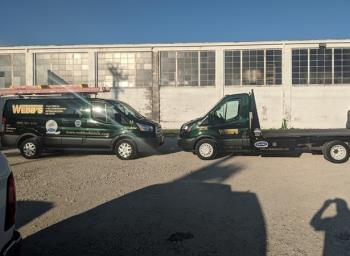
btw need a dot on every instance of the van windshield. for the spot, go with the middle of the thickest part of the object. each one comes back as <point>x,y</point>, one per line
<point>127,110</point>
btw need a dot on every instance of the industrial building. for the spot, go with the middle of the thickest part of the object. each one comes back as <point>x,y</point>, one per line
<point>298,84</point>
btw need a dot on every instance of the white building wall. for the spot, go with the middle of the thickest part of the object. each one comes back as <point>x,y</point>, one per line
<point>178,105</point>
<point>304,106</point>
<point>319,106</point>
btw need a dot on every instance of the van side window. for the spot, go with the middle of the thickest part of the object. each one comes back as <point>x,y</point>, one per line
<point>103,112</point>
<point>228,111</point>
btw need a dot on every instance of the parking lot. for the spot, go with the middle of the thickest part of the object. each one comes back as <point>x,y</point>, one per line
<point>172,203</point>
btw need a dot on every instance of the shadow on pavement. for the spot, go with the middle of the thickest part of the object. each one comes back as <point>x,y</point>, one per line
<point>336,228</point>
<point>193,215</point>
<point>29,210</point>
<point>169,147</point>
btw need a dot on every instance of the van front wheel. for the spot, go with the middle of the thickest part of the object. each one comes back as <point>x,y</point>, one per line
<point>30,148</point>
<point>125,149</point>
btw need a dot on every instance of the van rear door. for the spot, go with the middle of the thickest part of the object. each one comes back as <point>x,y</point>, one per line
<point>65,123</point>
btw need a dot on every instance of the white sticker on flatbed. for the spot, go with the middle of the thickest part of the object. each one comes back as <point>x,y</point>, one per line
<point>261,144</point>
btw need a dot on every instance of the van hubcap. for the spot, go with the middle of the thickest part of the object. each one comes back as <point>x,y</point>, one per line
<point>206,150</point>
<point>125,150</point>
<point>338,152</point>
<point>29,149</point>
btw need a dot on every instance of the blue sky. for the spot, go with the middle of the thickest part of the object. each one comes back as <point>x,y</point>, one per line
<point>27,22</point>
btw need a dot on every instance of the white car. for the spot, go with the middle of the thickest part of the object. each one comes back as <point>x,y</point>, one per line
<point>10,239</point>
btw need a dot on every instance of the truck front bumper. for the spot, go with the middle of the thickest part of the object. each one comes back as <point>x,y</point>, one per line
<point>186,144</point>
<point>13,247</point>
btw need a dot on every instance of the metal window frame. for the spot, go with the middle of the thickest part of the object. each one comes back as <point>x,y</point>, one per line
<point>241,67</point>
<point>199,52</point>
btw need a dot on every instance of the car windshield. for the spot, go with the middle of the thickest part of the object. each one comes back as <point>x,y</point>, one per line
<point>127,110</point>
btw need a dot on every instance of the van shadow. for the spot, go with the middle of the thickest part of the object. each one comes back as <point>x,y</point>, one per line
<point>194,215</point>
<point>336,228</point>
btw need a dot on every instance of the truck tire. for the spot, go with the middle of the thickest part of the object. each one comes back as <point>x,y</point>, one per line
<point>30,148</point>
<point>125,149</point>
<point>206,149</point>
<point>336,152</point>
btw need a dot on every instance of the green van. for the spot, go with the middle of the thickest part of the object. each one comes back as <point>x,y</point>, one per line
<point>48,123</point>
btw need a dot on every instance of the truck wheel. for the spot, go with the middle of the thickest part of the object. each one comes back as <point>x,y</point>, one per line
<point>336,152</point>
<point>30,148</point>
<point>206,149</point>
<point>125,149</point>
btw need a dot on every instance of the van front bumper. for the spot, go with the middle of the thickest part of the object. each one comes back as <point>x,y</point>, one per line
<point>13,247</point>
<point>186,144</point>
<point>147,144</point>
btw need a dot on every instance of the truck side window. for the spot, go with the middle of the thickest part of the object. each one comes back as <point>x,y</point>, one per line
<point>228,111</point>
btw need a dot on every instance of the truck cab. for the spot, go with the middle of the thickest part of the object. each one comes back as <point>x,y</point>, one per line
<point>228,124</point>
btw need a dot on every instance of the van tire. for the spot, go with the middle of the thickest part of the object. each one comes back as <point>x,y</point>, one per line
<point>30,148</point>
<point>206,149</point>
<point>125,149</point>
<point>336,152</point>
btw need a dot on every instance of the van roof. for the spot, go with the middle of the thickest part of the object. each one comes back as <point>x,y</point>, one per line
<point>43,98</point>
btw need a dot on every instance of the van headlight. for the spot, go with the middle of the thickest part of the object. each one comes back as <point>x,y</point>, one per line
<point>145,127</point>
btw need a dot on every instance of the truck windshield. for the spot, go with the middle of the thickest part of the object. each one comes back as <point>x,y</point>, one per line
<point>127,110</point>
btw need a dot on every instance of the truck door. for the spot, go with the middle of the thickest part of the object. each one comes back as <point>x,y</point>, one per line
<point>230,122</point>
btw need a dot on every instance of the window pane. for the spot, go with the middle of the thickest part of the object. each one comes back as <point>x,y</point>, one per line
<point>273,67</point>
<point>12,70</point>
<point>232,67</point>
<point>124,69</point>
<point>320,66</point>
<point>299,66</point>
<point>341,66</point>
<point>253,67</point>
<point>62,68</point>
<point>168,68</point>
<point>207,68</point>
<point>187,68</point>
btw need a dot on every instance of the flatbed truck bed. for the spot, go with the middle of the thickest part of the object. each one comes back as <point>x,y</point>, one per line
<point>292,133</point>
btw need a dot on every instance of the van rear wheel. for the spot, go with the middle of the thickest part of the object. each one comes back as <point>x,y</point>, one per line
<point>336,152</point>
<point>30,148</point>
<point>125,149</point>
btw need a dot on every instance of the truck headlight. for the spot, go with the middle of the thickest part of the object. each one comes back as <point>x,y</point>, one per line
<point>145,127</point>
<point>187,128</point>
